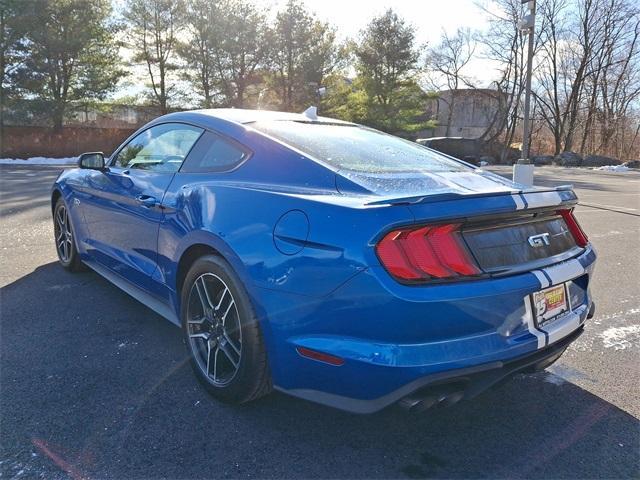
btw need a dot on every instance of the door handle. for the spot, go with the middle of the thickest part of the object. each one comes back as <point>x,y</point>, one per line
<point>146,201</point>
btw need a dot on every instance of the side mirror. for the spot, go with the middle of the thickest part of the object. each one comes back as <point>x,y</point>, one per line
<point>92,160</point>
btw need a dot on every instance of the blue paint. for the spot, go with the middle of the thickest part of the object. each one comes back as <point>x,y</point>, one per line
<point>300,236</point>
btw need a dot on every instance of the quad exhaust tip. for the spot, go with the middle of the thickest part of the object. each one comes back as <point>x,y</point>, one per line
<point>442,396</point>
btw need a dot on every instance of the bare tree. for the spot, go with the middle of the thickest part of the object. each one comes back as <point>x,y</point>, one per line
<point>548,74</point>
<point>445,68</point>
<point>505,44</point>
<point>619,79</point>
<point>577,61</point>
<point>587,73</point>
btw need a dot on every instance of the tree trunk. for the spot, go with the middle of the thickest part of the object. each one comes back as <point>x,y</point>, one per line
<point>450,114</point>
<point>240,94</point>
<point>557,138</point>
<point>57,116</point>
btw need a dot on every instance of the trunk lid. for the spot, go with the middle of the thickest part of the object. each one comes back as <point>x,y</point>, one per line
<point>507,228</point>
<point>520,243</point>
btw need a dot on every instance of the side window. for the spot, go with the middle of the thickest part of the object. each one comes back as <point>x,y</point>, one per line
<point>213,153</point>
<point>162,148</point>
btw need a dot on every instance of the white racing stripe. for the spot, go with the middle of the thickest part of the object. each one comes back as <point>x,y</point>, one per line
<point>518,201</point>
<point>561,329</point>
<point>544,283</point>
<point>528,318</point>
<point>542,199</point>
<point>558,274</point>
<point>564,272</point>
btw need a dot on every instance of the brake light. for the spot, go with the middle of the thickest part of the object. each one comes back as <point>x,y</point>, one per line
<point>574,227</point>
<point>423,253</point>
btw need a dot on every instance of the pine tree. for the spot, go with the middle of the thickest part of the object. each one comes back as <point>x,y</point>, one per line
<point>71,56</point>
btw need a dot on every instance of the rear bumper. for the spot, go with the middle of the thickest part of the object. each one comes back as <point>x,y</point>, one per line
<point>396,340</point>
<point>445,388</point>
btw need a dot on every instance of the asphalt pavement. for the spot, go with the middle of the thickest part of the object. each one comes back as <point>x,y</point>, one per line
<point>95,385</point>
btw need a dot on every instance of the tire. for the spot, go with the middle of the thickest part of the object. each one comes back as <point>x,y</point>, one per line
<point>222,333</point>
<point>64,238</point>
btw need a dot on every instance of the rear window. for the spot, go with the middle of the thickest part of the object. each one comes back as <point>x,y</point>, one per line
<point>358,149</point>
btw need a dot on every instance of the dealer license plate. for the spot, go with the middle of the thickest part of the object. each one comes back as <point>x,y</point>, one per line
<point>550,304</point>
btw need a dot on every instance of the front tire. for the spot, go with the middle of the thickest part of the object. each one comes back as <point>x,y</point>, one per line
<point>68,255</point>
<point>222,333</point>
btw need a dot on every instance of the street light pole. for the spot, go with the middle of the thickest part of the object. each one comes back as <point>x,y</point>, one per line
<point>526,140</point>
<point>523,170</point>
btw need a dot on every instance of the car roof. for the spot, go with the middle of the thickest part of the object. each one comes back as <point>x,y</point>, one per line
<point>243,116</point>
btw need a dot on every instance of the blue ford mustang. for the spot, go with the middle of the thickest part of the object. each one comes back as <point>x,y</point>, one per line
<point>328,260</point>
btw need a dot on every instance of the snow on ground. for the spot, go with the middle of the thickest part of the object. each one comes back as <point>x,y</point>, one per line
<point>614,168</point>
<point>39,161</point>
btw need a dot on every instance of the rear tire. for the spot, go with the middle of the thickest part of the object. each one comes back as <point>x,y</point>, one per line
<point>222,333</point>
<point>65,239</point>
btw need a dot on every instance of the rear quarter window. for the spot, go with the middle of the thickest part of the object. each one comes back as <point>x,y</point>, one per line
<point>213,153</point>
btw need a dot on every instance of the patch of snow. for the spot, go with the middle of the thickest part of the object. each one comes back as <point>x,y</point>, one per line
<point>39,161</point>
<point>560,374</point>
<point>608,234</point>
<point>621,337</point>
<point>554,379</point>
<point>613,168</point>
<point>483,163</point>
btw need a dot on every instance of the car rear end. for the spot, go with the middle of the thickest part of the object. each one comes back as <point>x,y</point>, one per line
<point>459,279</point>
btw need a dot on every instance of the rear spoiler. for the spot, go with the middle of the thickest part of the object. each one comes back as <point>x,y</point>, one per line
<point>530,198</point>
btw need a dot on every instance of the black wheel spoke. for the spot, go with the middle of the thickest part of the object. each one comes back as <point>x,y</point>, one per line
<point>203,295</point>
<point>213,328</point>
<point>63,234</point>
<point>230,354</point>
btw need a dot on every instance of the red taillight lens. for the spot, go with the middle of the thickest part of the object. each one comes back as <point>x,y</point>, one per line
<point>574,227</point>
<point>423,253</point>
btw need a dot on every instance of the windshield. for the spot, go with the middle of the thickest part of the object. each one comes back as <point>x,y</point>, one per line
<point>358,149</point>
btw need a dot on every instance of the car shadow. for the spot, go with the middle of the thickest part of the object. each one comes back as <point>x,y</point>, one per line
<point>96,385</point>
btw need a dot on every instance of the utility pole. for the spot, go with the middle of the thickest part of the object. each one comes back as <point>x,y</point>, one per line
<point>523,170</point>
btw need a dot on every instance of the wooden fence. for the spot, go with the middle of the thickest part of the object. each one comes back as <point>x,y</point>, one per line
<point>25,142</point>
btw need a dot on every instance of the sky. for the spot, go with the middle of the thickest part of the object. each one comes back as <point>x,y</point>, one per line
<point>429,17</point>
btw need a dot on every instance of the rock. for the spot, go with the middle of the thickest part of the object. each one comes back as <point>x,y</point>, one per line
<point>599,161</point>
<point>542,159</point>
<point>568,159</point>
<point>632,164</point>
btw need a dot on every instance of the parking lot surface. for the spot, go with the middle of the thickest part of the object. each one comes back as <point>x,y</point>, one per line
<point>95,385</point>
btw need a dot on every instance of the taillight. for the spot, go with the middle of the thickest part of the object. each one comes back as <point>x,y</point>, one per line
<point>574,227</point>
<point>419,254</point>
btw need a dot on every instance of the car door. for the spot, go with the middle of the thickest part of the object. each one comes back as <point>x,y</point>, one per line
<point>123,203</point>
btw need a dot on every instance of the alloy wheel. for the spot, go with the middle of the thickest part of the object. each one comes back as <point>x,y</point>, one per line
<point>213,326</point>
<point>64,236</point>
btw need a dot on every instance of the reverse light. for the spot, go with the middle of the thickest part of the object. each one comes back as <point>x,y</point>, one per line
<point>574,227</point>
<point>424,253</point>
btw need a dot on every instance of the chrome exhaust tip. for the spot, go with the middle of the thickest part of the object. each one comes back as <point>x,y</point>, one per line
<point>436,397</point>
